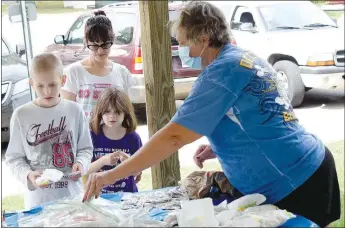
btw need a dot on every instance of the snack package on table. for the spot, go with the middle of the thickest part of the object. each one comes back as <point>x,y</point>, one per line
<point>49,176</point>
<point>247,212</point>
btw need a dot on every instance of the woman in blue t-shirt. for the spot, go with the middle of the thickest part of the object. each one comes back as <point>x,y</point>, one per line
<point>240,103</point>
<point>114,138</point>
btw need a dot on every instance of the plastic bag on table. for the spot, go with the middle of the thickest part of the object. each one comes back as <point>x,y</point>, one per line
<point>272,218</point>
<point>78,217</point>
<point>36,220</point>
<point>140,218</point>
<point>261,208</point>
<point>171,219</point>
<point>71,212</point>
<point>221,207</point>
<point>247,201</point>
<point>227,215</point>
<point>138,222</point>
<point>242,221</point>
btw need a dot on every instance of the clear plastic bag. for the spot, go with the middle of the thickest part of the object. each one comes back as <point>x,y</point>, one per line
<point>261,208</point>
<point>140,218</point>
<point>36,220</point>
<point>273,218</point>
<point>80,216</point>
<point>221,207</point>
<point>73,213</point>
<point>247,201</point>
<point>227,215</point>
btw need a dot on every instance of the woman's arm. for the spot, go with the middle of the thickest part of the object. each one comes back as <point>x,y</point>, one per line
<point>162,145</point>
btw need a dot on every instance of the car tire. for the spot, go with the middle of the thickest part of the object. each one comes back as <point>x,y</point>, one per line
<point>296,88</point>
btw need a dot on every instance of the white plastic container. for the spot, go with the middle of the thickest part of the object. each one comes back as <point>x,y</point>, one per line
<point>197,213</point>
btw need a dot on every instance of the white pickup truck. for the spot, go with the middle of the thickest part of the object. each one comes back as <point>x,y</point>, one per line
<point>297,37</point>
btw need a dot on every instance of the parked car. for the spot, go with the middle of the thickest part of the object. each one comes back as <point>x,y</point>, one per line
<point>296,37</point>
<point>126,50</point>
<point>15,88</point>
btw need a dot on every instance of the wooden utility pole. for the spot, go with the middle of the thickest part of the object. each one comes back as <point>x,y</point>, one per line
<point>159,82</point>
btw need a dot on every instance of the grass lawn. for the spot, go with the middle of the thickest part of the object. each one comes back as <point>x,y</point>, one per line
<point>337,148</point>
<point>47,7</point>
<point>335,14</point>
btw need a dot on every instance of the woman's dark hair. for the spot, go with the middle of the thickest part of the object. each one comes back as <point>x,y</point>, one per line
<point>99,28</point>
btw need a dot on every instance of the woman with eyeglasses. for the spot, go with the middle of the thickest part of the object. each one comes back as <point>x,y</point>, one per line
<point>86,79</point>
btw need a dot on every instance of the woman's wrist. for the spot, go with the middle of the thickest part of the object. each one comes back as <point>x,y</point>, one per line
<point>110,176</point>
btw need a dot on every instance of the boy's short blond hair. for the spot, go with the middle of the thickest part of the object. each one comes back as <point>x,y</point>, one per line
<point>46,62</point>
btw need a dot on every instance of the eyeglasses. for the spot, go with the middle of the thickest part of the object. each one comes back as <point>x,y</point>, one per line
<point>105,45</point>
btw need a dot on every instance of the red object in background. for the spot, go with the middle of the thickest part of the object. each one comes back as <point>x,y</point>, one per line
<point>335,2</point>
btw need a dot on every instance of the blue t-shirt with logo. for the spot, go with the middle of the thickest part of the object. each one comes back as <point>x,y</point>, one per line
<point>240,103</point>
<point>129,144</point>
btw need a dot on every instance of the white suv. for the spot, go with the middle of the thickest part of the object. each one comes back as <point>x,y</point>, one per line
<point>298,38</point>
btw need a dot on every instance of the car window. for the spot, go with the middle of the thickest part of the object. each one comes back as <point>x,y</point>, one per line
<point>173,15</point>
<point>123,25</point>
<point>4,49</point>
<point>293,14</point>
<point>242,15</point>
<point>76,33</point>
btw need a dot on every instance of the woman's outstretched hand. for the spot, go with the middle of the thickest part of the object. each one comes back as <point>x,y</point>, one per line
<point>95,184</point>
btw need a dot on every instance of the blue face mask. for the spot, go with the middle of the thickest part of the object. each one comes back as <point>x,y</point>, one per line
<point>192,62</point>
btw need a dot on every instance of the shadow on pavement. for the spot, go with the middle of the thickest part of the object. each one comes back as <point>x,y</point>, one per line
<point>328,99</point>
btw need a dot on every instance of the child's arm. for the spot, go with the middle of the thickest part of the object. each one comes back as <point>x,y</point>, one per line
<point>15,153</point>
<point>109,159</point>
<point>96,166</point>
<point>84,144</point>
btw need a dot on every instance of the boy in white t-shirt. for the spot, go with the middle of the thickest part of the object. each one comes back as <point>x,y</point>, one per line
<point>48,133</point>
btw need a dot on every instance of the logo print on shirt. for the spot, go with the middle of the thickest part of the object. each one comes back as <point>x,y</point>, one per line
<point>102,85</point>
<point>81,93</point>
<point>62,152</point>
<point>34,137</point>
<point>247,60</point>
<point>86,94</point>
<point>268,85</point>
<point>96,94</point>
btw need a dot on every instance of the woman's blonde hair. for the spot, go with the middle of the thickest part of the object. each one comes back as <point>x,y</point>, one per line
<point>119,102</point>
<point>202,18</point>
